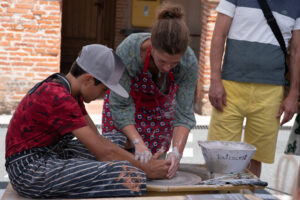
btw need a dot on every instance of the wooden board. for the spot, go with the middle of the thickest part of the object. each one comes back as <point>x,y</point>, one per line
<point>200,170</point>
<point>10,194</point>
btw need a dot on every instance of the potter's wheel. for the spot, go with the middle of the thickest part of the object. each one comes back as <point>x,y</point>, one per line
<point>191,175</point>
<point>181,178</point>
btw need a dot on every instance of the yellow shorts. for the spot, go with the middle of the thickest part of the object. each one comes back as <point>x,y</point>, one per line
<point>259,104</point>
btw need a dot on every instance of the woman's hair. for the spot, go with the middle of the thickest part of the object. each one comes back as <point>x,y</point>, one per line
<point>170,33</point>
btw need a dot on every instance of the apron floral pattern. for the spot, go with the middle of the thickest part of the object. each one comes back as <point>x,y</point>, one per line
<point>154,110</point>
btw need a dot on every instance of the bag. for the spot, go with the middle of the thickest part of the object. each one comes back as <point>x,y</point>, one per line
<point>293,145</point>
<point>276,30</point>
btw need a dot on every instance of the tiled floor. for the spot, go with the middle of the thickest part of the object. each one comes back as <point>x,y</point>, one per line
<point>3,185</point>
<point>1,193</point>
<point>95,107</point>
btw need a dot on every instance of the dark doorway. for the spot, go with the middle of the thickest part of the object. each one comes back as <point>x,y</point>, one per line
<point>85,22</point>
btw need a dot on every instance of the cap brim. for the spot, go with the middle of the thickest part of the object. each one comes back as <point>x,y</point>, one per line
<point>119,90</point>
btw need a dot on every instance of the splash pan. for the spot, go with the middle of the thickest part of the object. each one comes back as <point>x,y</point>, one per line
<point>226,156</point>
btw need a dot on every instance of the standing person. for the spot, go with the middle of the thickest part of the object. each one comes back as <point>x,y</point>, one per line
<point>161,74</point>
<point>42,158</point>
<point>250,82</point>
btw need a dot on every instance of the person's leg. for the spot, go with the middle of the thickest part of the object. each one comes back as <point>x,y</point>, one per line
<point>254,167</point>
<point>116,137</point>
<point>70,170</point>
<point>51,177</point>
<point>227,125</point>
<point>71,147</point>
<point>75,149</point>
<point>262,125</point>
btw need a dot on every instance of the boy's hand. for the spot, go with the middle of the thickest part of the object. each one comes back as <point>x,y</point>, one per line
<point>156,168</point>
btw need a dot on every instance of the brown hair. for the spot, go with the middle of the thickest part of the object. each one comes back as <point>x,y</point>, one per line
<point>76,71</point>
<point>170,33</point>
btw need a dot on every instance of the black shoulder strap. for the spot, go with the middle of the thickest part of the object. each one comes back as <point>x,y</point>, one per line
<point>63,80</point>
<point>275,28</point>
<point>272,23</point>
<point>61,77</point>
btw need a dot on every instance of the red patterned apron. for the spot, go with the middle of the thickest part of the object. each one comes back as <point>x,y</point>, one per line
<point>154,110</point>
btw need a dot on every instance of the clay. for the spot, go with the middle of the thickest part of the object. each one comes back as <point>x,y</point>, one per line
<point>181,178</point>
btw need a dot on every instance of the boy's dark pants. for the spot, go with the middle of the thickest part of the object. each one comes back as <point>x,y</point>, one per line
<point>69,170</point>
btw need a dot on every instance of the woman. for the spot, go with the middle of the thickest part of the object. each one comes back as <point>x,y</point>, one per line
<point>161,74</point>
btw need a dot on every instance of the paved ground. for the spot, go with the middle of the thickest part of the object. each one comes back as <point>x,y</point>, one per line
<point>192,153</point>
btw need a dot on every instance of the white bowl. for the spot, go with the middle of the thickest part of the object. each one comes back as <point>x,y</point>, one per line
<point>226,156</point>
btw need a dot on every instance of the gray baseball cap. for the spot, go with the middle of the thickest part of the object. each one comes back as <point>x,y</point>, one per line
<point>104,65</point>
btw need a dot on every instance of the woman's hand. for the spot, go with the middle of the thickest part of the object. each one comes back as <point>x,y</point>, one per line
<point>174,158</point>
<point>142,153</point>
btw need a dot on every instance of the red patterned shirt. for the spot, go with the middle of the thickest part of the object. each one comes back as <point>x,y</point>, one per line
<point>43,118</point>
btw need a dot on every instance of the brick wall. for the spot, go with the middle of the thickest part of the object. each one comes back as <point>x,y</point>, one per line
<point>29,46</point>
<point>30,39</point>
<point>123,19</point>
<point>202,104</point>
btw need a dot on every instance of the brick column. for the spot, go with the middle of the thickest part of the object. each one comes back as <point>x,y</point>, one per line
<point>123,16</point>
<point>209,14</point>
<point>30,36</point>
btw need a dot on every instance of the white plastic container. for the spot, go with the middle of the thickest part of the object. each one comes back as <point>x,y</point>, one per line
<point>226,156</point>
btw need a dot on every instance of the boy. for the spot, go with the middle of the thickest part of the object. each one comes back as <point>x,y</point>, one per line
<point>43,160</point>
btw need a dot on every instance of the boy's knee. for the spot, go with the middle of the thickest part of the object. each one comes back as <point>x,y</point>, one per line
<point>128,177</point>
